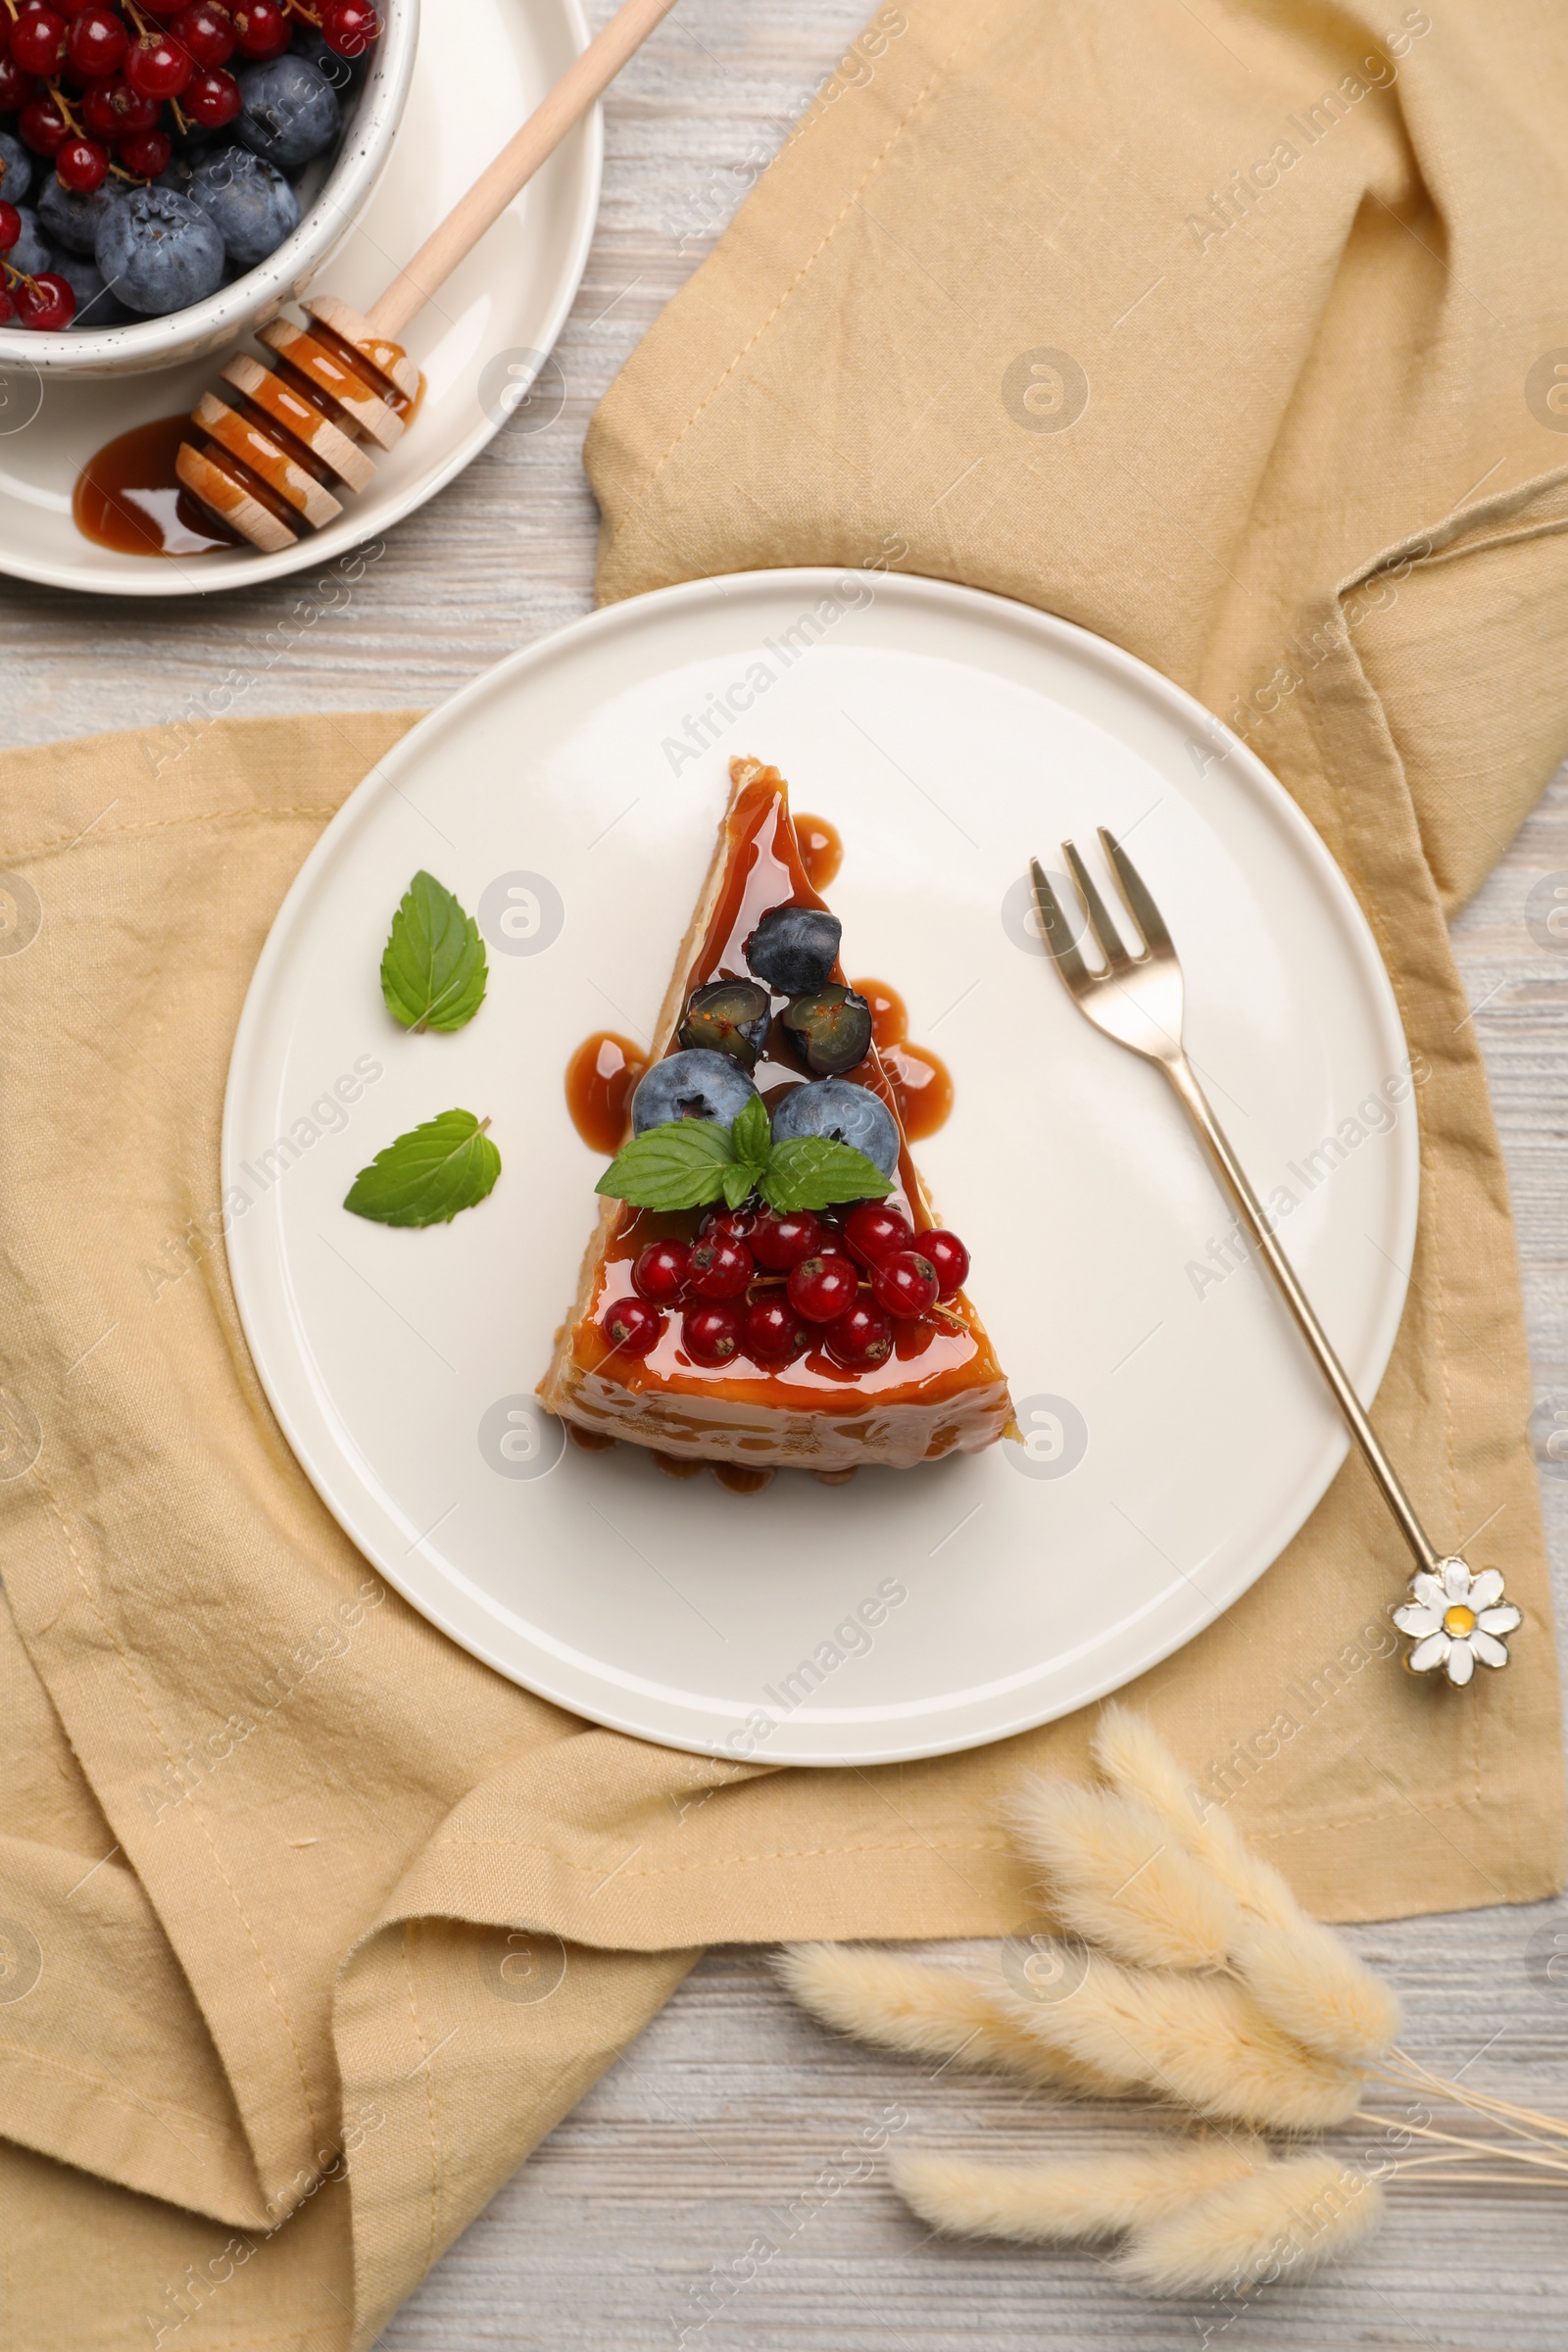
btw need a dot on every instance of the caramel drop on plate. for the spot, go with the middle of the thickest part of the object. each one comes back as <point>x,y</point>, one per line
<point>821,849</point>
<point>924,1085</point>
<point>600,1079</point>
<point>890,1022</point>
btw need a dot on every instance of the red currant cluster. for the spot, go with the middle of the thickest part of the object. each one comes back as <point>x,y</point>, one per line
<point>841,1285</point>
<point>88,81</point>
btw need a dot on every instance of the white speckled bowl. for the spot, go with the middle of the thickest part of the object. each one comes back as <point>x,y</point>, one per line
<point>219,323</point>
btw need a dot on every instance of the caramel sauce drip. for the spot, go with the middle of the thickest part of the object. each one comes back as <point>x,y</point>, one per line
<point>600,1079</point>
<point>920,1079</point>
<point>821,849</point>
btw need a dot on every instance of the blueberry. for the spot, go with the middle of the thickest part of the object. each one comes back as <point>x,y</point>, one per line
<point>729,1016</point>
<point>95,304</point>
<point>345,73</point>
<point>291,110</point>
<point>159,250</point>
<point>795,947</point>
<point>68,217</point>
<point>248,201</point>
<point>698,1084</point>
<point>16,178</point>
<point>843,1112</point>
<point>29,254</point>
<point>830,1029</point>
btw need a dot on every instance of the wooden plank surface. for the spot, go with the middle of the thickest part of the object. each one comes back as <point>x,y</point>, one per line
<point>732,2102</point>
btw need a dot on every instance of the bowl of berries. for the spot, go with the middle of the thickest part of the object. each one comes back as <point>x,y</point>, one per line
<point>173,172</point>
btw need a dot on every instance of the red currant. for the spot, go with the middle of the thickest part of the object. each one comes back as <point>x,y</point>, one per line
<point>38,42</point>
<point>112,110</point>
<point>710,1333</point>
<point>46,302</point>
<point>207,31</point>
<point>821,1288</point>
<point>949,1257</point>
<point>780,1242</point>
<point>43,127</point>
<point>861,1336</point>
<point>15,87</point>
<point>145,154</point>
<point>10,227</point>
<point>872,1232</point>
<point>349,27</point>
<point>83,165</point>
<point>660,1271</point>
<point>904,1283</point>
<point>772,1332</point>
<point>213,98</point>
<point>97,41</point>
<point>158,66</point>
<point>631,1326</point>
<point>735,1224</point>
<point>261,27</point>
<point>719,1267</point>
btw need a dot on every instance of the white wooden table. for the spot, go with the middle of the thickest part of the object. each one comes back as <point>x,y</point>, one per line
<point>732,2101</point>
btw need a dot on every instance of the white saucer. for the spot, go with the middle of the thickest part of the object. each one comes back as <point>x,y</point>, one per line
<point>1178,1434</point>
<point>478,72</point>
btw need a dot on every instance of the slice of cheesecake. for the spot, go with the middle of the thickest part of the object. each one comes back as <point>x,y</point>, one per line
<point>694,1355</point>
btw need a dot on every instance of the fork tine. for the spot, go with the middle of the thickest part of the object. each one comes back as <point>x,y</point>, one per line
<point>1056,929</point>
<point>1099,923</point>
<point>1135,890</point>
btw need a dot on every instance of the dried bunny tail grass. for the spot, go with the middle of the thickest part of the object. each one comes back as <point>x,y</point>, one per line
<point>1312,1984</point>
<point>1302,1975</point>
<point>1198,2039</point>
<point>1284,2220</point>
<point>927,2012</point>
<point>1131,1753</point>
<point>1087,2196</point>
<point>1117,1875</point>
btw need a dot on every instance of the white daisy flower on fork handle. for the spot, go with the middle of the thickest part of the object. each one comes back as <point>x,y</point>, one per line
<point>1456,1618</point>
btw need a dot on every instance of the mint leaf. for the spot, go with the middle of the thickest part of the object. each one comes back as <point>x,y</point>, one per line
<point>681,1164</point>
<point>434,969</point>
<point>739,1182</point>
<point>811,1171</point>
<point>427,1176</point>
<point>750,1136</point>
<point>684,1163</point>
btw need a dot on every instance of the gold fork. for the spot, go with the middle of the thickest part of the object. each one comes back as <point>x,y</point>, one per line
<point>1454,1617</point>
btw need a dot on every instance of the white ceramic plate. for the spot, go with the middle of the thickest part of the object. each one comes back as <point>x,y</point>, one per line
<point>477,73</point>
<point>1177,1434</point>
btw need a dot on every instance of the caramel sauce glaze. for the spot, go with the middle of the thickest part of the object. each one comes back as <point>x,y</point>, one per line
<point>930,1360</point>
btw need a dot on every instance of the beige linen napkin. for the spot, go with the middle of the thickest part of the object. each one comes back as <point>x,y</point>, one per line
<point>304,1914</point>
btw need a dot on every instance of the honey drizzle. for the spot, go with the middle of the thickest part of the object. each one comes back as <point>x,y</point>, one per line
<point>355,365</point>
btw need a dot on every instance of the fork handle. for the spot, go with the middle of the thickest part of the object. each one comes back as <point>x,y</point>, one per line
<point>1254,1217</point>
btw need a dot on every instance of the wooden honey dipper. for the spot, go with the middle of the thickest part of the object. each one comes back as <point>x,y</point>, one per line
<point>269,458</point>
